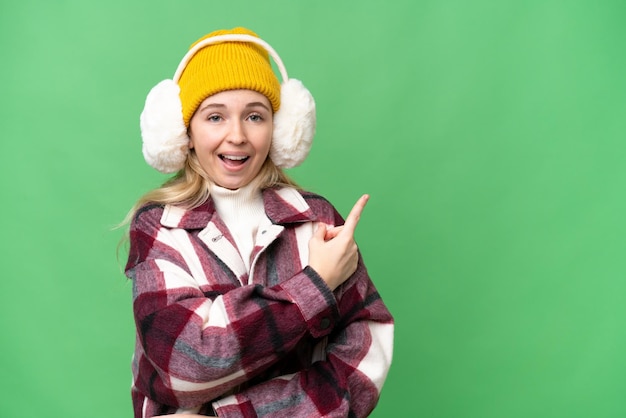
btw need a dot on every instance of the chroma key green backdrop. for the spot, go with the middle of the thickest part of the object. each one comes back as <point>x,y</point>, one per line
<point>490,135</point>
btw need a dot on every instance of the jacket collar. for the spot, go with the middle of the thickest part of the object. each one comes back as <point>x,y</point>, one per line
<point>282,206</point>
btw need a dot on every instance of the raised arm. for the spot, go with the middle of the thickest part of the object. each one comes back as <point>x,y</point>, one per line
<point>347,380</point>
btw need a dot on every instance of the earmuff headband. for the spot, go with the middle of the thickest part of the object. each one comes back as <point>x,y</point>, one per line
<point>230,38</point>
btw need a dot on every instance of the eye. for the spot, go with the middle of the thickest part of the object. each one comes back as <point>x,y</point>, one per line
<point>214,118</point>
<point>255,117</point>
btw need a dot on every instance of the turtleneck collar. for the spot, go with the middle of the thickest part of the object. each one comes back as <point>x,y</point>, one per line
<point>233,205</point>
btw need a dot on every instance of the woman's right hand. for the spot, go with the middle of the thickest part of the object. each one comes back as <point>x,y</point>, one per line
<point>333,253</point>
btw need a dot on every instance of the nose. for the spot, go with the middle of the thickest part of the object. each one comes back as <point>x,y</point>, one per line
<point>236,134</point>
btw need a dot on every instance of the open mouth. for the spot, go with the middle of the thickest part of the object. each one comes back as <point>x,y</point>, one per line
<point>234,160</point>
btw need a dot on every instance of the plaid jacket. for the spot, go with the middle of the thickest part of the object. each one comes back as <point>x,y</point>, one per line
<point>274,342</point>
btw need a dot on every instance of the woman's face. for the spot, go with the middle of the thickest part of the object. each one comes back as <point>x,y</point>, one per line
<point>231,133</point>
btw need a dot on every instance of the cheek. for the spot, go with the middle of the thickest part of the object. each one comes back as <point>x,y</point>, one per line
<point>202,140</point>
<point>197,134</point>
<point>268,139</point>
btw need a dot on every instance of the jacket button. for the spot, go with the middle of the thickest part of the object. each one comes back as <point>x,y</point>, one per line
<point>324,323</point>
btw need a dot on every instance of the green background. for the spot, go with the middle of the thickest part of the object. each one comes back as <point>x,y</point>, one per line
<point>490,135</point>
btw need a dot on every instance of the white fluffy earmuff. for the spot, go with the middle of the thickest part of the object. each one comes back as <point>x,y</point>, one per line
<point>164,134</point>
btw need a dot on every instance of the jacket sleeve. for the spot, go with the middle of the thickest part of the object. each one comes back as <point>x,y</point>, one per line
<point>194,344</point>
<point>348,381</point>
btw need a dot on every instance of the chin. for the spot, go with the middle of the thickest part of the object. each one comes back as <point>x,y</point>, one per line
<point>234,185</point>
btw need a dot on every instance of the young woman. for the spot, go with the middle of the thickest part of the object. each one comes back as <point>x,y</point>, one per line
<point>249,295</point>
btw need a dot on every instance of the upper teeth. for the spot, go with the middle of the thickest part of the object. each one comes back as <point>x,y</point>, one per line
<point>235,157</point>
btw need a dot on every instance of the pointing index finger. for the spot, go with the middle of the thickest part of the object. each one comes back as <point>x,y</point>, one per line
<point>355,214</point>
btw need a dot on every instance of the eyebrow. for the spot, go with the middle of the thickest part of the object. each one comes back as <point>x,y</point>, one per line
<point>255,104</point>
<point>222,106</point>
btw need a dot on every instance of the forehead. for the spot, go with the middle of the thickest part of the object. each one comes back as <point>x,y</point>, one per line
<point>236,97</point>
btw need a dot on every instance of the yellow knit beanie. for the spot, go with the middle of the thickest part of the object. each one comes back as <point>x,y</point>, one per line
<point>227,66</point>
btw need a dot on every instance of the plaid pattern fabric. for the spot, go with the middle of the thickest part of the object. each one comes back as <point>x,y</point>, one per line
<point>274,342</point>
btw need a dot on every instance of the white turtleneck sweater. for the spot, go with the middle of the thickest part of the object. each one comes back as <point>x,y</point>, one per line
<point>242,211</point>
